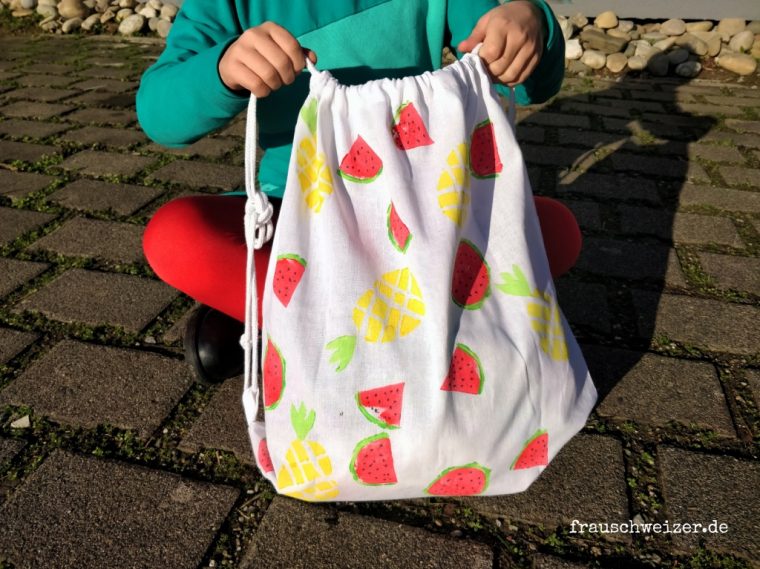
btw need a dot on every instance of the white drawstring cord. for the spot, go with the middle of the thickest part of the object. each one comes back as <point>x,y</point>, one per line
<point>258,230</point>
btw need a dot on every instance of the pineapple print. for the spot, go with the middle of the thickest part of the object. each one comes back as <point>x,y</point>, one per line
<point>313,172</point>
<point>306,462</point>
<point>545,318</point>
<point>391,309</point>
<point>454,186</point>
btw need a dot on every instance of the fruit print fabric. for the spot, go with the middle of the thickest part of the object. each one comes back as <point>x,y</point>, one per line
<point>306,462</point>
<point>420,345</point>
<point>312,169</point>
<point>454,185</point>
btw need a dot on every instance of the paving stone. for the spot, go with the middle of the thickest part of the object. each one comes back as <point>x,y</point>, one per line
<point>54,68</point>
<point>43,94</point>
<point>701,488</point>
<point>104,84</point>
<point>96,163</point>
<point>33,129</point>
<point>80,237</point>
<point>738,176</point>
<point>710,110</point>
<point>657,129</point>
<point>115,71</point>
<point>201,174</point>
<point>13,342</point>
<point>24,151</point>
<point>297,535</point>
<point>739,139</point>
<point>614,187</point>
<point>739,273</point>
<point>16,222</point>
<point>527,133</point>
<point>595,109</point>
<point>212,148</point>
<point>37,80</point>
<point>109,117</point>
<point>753,379</point>
<point>586,213</point>
<point>693,123</point>
<point>659,166</point>
<point>9,448</point>
<point>104,99</point>
<point>558,119</point>
<point>14,273</point>
<point>693,228</point>
<point>702,323</point>
<point>101,298</point>
<point>681,227</point>
<point>628,260</point>
<point>723,100</point>
<point>86,385</point>
<point>83,512</point>
<point>585,481</point>
<point>584,304</point>
<point>7,76</point>
<point>177,331</point>
<point>743,125</point>
<point>34,110</point>
<point>551,155</point>
<point>94,195</point>
<point>715,153</point>
<point>116,137</point>
<point>16,185</point>
<point>583,137</point>
<point>550,562</point>
<point>222,424</point>
<point>237,128</point>
<point>721,198</point>
<point>655,390</point>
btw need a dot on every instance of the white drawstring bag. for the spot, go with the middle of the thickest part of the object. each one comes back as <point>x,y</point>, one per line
<point>412,343</point>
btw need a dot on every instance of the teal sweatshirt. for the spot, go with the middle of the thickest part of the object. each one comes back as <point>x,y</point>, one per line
<point>182,98</point>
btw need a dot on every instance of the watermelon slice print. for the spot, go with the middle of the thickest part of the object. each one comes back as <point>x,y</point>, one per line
<point>287,274</point>
<point>398,232</point>
<point>409,131</point>
<point>471,280</point>
<point>361,164</point>
<point>466,480</point>
<point>382,405</point>
<point>465,372</point>
<point>265,460</point>
<point>274,376</point>
<point>484,155</point>
<point>534,453</point>
<point>372,462</point>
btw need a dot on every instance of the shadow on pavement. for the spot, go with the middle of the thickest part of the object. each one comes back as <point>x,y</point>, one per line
<point>619,158</point>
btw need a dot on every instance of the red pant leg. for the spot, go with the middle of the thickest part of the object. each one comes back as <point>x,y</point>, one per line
<point>562,236</point>
<point>197,245</point>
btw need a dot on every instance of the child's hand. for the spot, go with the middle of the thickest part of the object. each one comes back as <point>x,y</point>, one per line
<point>512,37</point>
<point>262,60</point>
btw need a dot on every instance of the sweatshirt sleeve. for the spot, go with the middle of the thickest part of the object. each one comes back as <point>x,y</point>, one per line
<point>181,97</point>
<point>546,79</point>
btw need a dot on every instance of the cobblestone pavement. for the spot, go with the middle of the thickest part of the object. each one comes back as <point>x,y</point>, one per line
<point>112,456</point>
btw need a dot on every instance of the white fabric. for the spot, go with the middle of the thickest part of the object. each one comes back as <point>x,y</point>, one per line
<point>528,387</point>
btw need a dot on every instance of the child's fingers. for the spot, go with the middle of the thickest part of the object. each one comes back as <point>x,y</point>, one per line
<point>250,81</point>
<point>263,69</point>
<point>520,68</point>
<point>278,60</point>
<point>289,46</point>
<point>476,36</point>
